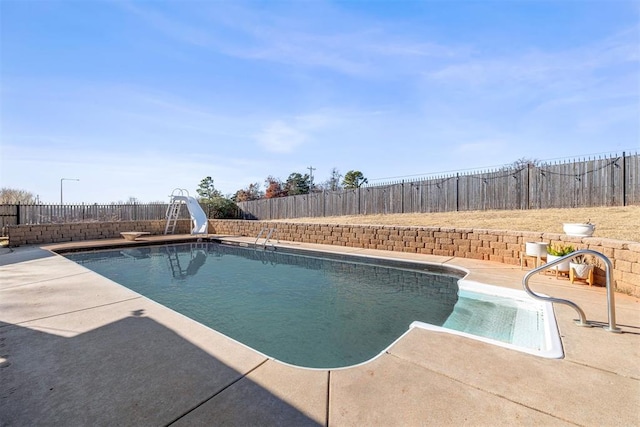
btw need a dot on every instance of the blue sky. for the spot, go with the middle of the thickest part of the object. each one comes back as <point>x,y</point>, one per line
<point>135,99</point>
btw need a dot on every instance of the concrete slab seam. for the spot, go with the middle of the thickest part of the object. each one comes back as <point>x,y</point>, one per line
<point>327,414</point>
<point>606,371</point>
<point>216,393</point>
<point>37,282</point>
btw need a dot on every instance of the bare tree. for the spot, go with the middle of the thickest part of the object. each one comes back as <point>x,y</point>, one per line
<point>12,196</point>
<point>522,163</point>
<point>333,183</point>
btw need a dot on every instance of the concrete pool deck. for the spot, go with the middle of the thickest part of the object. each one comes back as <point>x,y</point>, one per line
<point>79,349</point>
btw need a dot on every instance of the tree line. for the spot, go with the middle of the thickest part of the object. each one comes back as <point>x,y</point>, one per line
<point>220,206</point>
<point>298,183</point>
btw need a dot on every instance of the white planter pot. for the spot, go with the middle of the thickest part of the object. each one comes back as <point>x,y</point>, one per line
<point>563,266</point>
<point>581,271</point>
<point>537,249</point>
<point>578,230</point>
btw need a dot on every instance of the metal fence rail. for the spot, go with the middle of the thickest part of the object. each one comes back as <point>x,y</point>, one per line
<point>52,214</point>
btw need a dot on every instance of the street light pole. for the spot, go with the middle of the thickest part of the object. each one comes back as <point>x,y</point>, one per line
<point>65,179</point>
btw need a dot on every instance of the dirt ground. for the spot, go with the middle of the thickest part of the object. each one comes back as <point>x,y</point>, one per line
<point>622,223</point>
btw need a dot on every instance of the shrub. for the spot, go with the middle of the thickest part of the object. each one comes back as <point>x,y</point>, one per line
<point>560,250</point>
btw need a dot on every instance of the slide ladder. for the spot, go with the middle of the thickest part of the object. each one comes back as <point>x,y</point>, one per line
<point>199,220</point>
<point>174,263</point>
<point>173,213</point>
<point>198,256</point>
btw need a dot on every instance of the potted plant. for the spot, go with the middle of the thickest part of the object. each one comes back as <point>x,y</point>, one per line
<point>555,252</point>
<point>581,268</point>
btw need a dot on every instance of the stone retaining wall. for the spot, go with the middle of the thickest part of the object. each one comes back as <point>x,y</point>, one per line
<point>76,231</point>
<point>491,245</point>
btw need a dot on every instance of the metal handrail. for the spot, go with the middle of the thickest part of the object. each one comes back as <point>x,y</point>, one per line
<point>583,319</point>
<point>270,232</point>
<point>259,234</point>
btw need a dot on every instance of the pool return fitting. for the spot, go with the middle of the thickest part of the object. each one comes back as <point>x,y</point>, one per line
<point>583,319</point>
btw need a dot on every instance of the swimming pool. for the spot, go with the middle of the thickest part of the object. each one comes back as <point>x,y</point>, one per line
<point>311,309</point>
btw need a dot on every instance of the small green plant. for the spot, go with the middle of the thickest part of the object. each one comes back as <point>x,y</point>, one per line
<point>560,250</point>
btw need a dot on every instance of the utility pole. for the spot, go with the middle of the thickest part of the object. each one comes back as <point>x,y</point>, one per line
<point>311,169</point>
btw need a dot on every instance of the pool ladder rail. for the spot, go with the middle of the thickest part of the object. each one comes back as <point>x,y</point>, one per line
<point>611,327</point>
<point>270,232</point>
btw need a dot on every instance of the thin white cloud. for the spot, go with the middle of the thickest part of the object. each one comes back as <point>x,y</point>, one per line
<point>266,36</point>
<point>279,137</point>
<point>543,68</point>
<point>170,26</point>
<point>285,135</point>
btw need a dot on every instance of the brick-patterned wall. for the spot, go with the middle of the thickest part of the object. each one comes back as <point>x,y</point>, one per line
<point>491,245</point>
<point>76,231</point>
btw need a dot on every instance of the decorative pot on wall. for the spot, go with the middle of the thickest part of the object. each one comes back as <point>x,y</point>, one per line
<point>579,229</point>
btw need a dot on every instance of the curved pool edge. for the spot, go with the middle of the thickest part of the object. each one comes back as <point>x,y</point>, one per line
<point>442,264</point>
<point>554,347</point>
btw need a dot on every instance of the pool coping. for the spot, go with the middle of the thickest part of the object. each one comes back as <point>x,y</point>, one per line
<point>425,377</point>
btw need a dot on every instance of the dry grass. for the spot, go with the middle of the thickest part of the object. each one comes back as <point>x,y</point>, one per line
<point>622,223</point>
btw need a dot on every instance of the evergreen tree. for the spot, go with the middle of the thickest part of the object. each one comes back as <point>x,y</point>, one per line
<point>297,184</point>
<point>353,179</point>
<point>206,190</point>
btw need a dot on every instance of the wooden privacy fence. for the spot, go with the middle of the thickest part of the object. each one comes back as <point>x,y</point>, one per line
<point>610,181</point>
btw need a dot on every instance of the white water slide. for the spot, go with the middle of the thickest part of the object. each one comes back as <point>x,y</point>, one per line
<point>199,220</point>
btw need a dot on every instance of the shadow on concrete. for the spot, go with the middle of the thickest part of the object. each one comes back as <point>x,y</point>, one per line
<point>133,371</point>
<point>15,255</point>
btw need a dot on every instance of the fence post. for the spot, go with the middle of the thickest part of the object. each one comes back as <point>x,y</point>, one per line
<point>324,203</point>
<point>624,179</point>
<point>528,193</point>
<point>18,214</point>
<point>457,191</point>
